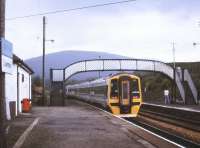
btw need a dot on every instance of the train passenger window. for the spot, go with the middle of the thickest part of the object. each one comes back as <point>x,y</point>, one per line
<point>114,88</point>
<point>135,89</point>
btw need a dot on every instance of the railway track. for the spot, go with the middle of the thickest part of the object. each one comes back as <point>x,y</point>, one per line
<point>179,126</point>
<point>165,134</point>
<point>181,122</point>
<point>158,116</point>
<point>183,118</point>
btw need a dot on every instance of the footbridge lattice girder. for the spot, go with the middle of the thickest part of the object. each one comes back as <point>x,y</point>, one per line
<point>118,65</point>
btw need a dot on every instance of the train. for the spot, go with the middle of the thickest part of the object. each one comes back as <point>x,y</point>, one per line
<point>120,93</point>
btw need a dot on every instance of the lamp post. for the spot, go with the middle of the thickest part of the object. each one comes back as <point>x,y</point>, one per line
<point>174,73</point>
<point>43,59</point>
<point>99,70</point>
<point>195,44</point>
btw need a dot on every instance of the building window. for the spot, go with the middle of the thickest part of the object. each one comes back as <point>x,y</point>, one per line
<point>22,77</point>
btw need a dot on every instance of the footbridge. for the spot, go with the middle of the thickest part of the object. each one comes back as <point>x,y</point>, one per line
<point>62,75</point>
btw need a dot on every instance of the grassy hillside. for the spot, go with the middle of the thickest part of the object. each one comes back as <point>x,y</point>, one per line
<point>63,58</point>
<point>156,83</point>
<point>194,69</point>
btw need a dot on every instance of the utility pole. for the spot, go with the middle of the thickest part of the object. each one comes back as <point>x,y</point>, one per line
<point>3,139</point>
<point>174,73</point>
<point>43,60</point>
<point>99,73</point>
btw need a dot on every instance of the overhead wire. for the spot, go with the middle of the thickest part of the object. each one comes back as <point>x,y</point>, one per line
<point>67,10</point>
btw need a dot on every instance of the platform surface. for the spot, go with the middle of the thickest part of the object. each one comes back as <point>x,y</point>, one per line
<point>78,125</point>
<point>192,108</point>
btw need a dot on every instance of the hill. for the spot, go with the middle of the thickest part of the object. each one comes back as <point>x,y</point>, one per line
<point>154,83</point>
<point>194,69</point>
<point>64,58</point>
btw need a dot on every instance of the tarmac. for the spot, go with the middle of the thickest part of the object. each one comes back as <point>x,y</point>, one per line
<point>17,127</point>
<point>78,125</point>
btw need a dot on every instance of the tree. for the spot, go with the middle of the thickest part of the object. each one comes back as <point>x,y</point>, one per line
<point>36,81</point>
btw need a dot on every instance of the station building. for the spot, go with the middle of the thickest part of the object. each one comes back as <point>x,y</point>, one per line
<point>17,87</point>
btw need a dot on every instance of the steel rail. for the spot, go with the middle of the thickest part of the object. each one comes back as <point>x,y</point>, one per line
<point>172,137</point>
<point>179,121</point>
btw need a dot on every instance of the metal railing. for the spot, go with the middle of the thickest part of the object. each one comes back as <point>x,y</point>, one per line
<point>116,65</point>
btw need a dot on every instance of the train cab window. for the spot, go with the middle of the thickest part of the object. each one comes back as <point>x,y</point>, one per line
<point>114,88</point>
<point>135,89</point>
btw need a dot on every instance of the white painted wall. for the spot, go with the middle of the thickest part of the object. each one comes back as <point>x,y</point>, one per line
<point>30,88</point>
<point>23,86</point>
<point>11,88</point>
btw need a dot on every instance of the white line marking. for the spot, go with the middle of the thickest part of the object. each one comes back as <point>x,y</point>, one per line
<point>25,114</point>
<point>137,126</point>
<point>7,129</point>
<point>22,138</point>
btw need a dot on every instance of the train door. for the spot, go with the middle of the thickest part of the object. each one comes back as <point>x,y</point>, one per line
<point>125,96</point>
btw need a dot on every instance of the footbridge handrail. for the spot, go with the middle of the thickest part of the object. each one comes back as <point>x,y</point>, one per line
<point>123,65</point>
<point>188,79</point>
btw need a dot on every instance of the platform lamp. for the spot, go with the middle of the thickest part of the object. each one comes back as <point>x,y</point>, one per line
<point>195,44</point>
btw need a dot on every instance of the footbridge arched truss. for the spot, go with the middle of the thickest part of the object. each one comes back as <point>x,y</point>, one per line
<point>118,65</point>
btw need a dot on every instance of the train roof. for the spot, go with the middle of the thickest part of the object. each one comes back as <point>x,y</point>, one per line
<point>97,82</point>
<point>123,73</point>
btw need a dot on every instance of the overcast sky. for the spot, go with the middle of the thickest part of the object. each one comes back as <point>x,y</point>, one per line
<point>140,29</point>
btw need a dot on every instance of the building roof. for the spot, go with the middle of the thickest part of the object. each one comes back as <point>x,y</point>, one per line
<point>22,64</point>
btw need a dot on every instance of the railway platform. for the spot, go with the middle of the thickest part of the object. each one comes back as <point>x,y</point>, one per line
<point>182,121</point>
<point>192,108</point>
<point>80,125</point>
